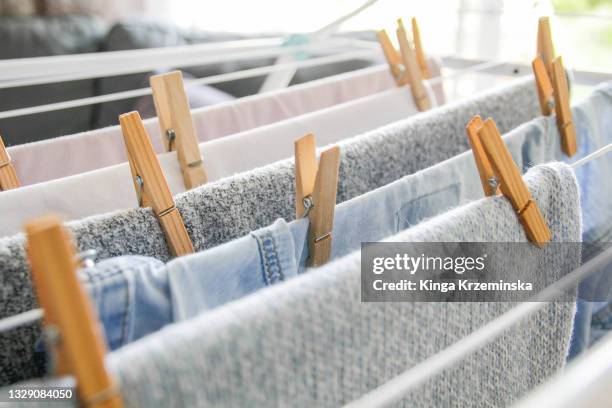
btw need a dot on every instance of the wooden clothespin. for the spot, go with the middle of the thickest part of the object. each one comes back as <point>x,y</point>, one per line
<point>494,152</point>
<point>545,48</point>
<point>544,86</point>
<point>565,122</point>
<point>555,94</point>
<point>409,67</point>
<point>151,186</point>
<point>485,169</point>
<point>315,195</point>
<point>177,127</point>
<point>81,345</point>
<point>393,58</point>
<point>418,48</point>
<point>8,174</point>
<point>412,70</point>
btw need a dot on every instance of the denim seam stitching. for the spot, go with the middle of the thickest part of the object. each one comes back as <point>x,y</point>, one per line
<point>272,269</point>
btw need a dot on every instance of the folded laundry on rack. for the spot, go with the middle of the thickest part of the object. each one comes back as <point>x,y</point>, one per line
<point>128,288</point>
<point>64,156</point>
<point>111,188</point>
<point>230,208</point>
<point>138,295</point>
<point>245,352</point>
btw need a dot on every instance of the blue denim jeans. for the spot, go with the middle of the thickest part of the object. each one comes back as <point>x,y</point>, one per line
<point>192,284</point>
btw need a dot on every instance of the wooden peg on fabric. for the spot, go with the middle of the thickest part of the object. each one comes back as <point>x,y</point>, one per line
<point>8,174</point>
<point>545,48</point>
<point>315,195</point>
<point>553,93</point>
<point>512,185</point>
<point>565,122</point>
<point>418,48</point>
<point>393,57</point>
<point>485,169</point>
<point>177,127</point>
<point>412,70</point>
<point>151,186</point>
<point>544,86</point>
<point>81,345</point>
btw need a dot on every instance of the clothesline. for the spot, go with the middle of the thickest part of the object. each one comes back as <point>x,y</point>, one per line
<point>37,67</point>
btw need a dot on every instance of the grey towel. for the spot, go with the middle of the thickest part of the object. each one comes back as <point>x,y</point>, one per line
<point>311,342</point>
<point>232,207</point>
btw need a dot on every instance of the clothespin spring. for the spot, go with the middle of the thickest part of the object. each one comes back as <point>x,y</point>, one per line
<point>308,204</point>
<point>86,259</point>
<point>171,136</point>
<point>493,182</point>
<point>140,195</point>
<point>139,190</point>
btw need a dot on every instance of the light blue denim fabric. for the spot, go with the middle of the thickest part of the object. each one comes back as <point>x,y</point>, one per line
<point>593,121</point>
<point>208,279</point>
<point>200,282</point>
<point>132,297</point>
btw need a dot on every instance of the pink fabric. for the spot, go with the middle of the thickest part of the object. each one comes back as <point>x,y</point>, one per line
<point>69,155</point>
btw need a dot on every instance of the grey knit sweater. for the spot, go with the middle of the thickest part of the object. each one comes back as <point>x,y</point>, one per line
<point>311,341</point>
<point>232,207</point>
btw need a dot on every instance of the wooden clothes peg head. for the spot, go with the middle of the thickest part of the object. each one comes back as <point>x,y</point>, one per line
<point>176,123</point>
<point>81,346</point>
<point>316,186</point>
<point>412,70</point>
<point>553,94</point>
<point>565,122</point>
<point>393,58</point>
<point>545,48</point>
<point>485,169</point>
<point>418,48</point>
<point>8,174</point>
<point>151,185</point>
<point>492,153</point>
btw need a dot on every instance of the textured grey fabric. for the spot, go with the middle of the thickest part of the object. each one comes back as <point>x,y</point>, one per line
<point>232,207</point>
<point>311,342</point>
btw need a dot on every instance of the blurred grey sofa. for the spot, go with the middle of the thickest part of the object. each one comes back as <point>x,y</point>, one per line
<point>42,36</point>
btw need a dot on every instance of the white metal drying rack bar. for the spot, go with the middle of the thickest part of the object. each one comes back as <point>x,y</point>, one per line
<point>505,68</point>
<point>23,68</point>
<point>113,65</point>
<point>231,76</point>
<point>581,77</point>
